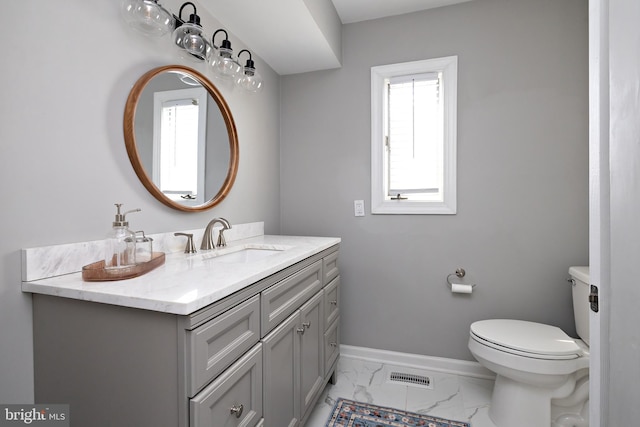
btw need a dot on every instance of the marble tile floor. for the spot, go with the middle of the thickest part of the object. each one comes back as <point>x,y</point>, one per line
<point>454,397</point>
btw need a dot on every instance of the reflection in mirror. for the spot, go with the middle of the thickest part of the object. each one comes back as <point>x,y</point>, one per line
<point>181,138</point>
<point>179,134</point>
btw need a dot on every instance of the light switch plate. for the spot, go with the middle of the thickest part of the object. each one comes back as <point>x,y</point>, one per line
<point>358,207</point>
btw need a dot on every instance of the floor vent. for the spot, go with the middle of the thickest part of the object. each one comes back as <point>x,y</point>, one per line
<point>412,379</point>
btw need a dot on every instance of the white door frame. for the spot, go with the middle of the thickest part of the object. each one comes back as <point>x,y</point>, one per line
<point>599,208</point>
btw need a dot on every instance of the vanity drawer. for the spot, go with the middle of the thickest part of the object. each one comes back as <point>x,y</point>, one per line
<point>331,301</point>
<point>331,345</point>
<point>286,296</point>
<point>234,398</point>
<point>330,267</point>
<point>216,344</point>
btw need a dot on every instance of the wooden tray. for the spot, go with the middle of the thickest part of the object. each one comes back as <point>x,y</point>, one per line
<point>96,272</point>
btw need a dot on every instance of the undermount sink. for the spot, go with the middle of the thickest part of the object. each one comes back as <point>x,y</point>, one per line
<point>244,254</point>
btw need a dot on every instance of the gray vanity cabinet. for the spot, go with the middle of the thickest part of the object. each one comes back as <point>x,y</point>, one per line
<point>256,358</point>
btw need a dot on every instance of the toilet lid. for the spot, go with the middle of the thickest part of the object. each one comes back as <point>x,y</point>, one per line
<point>527,337</point>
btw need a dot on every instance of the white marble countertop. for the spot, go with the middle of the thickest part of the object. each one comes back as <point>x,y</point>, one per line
<point>188,282</point>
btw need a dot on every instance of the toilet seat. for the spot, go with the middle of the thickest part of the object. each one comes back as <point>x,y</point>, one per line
<point>528,339</point>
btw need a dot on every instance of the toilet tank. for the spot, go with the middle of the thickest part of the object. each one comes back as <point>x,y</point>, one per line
<point>581,289</point>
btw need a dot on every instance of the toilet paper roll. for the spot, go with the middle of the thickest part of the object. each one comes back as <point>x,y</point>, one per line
<point>458,288</point>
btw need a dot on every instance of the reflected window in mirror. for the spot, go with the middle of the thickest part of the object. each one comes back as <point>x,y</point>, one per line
<point>179,144</point>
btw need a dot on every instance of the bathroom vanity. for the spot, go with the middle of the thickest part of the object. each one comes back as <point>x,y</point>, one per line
<point>234,337</point>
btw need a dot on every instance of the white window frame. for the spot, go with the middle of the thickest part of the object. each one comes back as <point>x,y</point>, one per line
<point>159,99</point>
<point>380,202</point>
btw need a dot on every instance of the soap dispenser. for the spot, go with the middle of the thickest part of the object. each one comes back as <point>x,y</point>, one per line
<point>121,242</point>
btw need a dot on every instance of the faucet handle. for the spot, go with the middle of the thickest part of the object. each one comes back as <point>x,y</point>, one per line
<point>190,247</point>
<point>221,240</point>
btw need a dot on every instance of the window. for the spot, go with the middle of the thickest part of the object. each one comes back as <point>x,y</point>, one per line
<point>413,137</point>
<point>179,144</point>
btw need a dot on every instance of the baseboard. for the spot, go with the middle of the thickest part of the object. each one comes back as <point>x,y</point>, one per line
<point>417,361</point>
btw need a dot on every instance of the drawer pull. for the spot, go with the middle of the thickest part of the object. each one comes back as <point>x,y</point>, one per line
<point>334,302</point>
<point>300,331</point>
<point>333,344</point>
<point>237,410</point>
<point>306,325</point>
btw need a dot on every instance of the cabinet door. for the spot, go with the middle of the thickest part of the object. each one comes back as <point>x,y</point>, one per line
<point>234,399</point>
<point>282,374</point>
<point>331,345</point>
<point>311,350</point>
<point>332,301</point>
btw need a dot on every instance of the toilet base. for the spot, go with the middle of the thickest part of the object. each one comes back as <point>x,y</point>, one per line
<point>514,405</point>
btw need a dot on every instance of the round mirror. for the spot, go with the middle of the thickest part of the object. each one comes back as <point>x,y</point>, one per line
<point>181,138</point>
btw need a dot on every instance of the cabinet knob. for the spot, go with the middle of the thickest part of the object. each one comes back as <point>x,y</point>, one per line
<point>300,331</point>
<point>237,410</point>
<point>333,344</point>
<point>334,302</point>
<point>306,325</point>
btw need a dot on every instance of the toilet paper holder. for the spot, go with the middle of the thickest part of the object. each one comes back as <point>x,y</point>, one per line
<point>459,273</point>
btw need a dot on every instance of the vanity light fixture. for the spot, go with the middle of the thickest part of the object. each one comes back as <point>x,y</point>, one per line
<point>222,62</point>
<point>147,17</point>
<point>150,18</point>
<point>249,80</point>
<point>189,36</point>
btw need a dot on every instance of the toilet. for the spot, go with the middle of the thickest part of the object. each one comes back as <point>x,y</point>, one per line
<point>542,374</point>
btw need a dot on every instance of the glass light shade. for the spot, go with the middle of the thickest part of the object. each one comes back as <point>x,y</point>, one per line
<point>223,65</point>
<point>147,17</point>
<point>190,39</point>
<point>250,80</point>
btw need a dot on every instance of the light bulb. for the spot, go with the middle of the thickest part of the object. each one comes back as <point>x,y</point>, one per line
<point>191,42</point>
<point>147,17</point>
<point>194,44</point>
<point>250,80</point>
<point>223,64</point>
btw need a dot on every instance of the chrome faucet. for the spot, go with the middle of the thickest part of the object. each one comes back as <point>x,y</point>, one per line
<point>207,239</point>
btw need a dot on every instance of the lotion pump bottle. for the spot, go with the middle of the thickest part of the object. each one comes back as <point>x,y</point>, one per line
<point>121,242</point>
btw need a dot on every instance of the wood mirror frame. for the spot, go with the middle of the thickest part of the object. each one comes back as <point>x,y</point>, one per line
<point>134,155</point>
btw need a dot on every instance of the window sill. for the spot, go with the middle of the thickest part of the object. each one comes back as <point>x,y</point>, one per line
<point>405,207</point>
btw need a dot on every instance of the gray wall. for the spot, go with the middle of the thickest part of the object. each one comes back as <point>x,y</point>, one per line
<point>522,174</point>
<point>63,163</point>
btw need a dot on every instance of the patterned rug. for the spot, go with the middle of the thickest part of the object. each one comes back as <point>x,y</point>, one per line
<point>347,413</point>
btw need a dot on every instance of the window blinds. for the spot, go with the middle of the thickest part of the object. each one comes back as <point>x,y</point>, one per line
<point>415,134</point>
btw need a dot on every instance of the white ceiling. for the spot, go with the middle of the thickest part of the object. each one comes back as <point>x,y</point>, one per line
<point>304,35</point>
<point>364,10</point>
